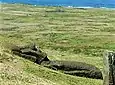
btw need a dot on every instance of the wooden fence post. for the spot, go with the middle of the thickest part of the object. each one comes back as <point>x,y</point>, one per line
<point>109,68</point>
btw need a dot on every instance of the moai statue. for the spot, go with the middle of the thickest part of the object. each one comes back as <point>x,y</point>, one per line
<point>109,68</point>
<point>30,52</point>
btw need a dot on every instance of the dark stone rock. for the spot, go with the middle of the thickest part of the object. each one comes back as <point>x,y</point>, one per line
<point>30,52</point>
<point>33,53</point>
<point>75,68</point>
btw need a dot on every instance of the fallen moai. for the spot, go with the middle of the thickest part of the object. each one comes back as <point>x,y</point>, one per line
<point>74,68</point>
<point>33,53</point>
<point>30,52</point>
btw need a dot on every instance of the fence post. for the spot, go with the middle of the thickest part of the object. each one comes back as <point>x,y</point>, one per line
<point>109,68</point>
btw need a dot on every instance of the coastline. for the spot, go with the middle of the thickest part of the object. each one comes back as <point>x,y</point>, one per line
<point>62,5</point>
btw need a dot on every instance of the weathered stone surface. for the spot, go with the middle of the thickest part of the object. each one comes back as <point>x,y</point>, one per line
<point>75,68</point>
<point>30,52</point>
<point>33,53</point>
<point>109,68</point>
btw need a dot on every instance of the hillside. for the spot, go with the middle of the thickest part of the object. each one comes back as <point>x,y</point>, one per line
<point>63,33</point>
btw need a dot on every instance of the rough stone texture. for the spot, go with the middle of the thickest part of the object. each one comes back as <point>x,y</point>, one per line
<point>30,52</point>
<point>33,53</point>
<point>75,68</point>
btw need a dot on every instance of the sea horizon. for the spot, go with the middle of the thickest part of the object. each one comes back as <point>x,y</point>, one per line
<point>70,5</point>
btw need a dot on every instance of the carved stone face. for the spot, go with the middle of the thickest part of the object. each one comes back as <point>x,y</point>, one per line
<point>31,52</point>
<point>42,56</point>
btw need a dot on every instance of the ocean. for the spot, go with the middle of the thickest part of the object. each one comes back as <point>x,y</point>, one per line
<point>67,3</point>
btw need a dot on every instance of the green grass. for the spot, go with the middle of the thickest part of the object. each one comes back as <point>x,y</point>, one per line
<point>63,33</point>
<point>16,70</point>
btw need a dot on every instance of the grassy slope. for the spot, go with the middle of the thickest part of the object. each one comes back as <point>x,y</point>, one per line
<point>75,34</point>
<point>18,71</point>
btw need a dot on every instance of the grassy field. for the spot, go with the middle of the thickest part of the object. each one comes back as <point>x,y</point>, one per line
<point>63,33</point>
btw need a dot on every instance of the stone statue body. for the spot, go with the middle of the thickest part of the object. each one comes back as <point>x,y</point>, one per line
<point>33,53</point>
